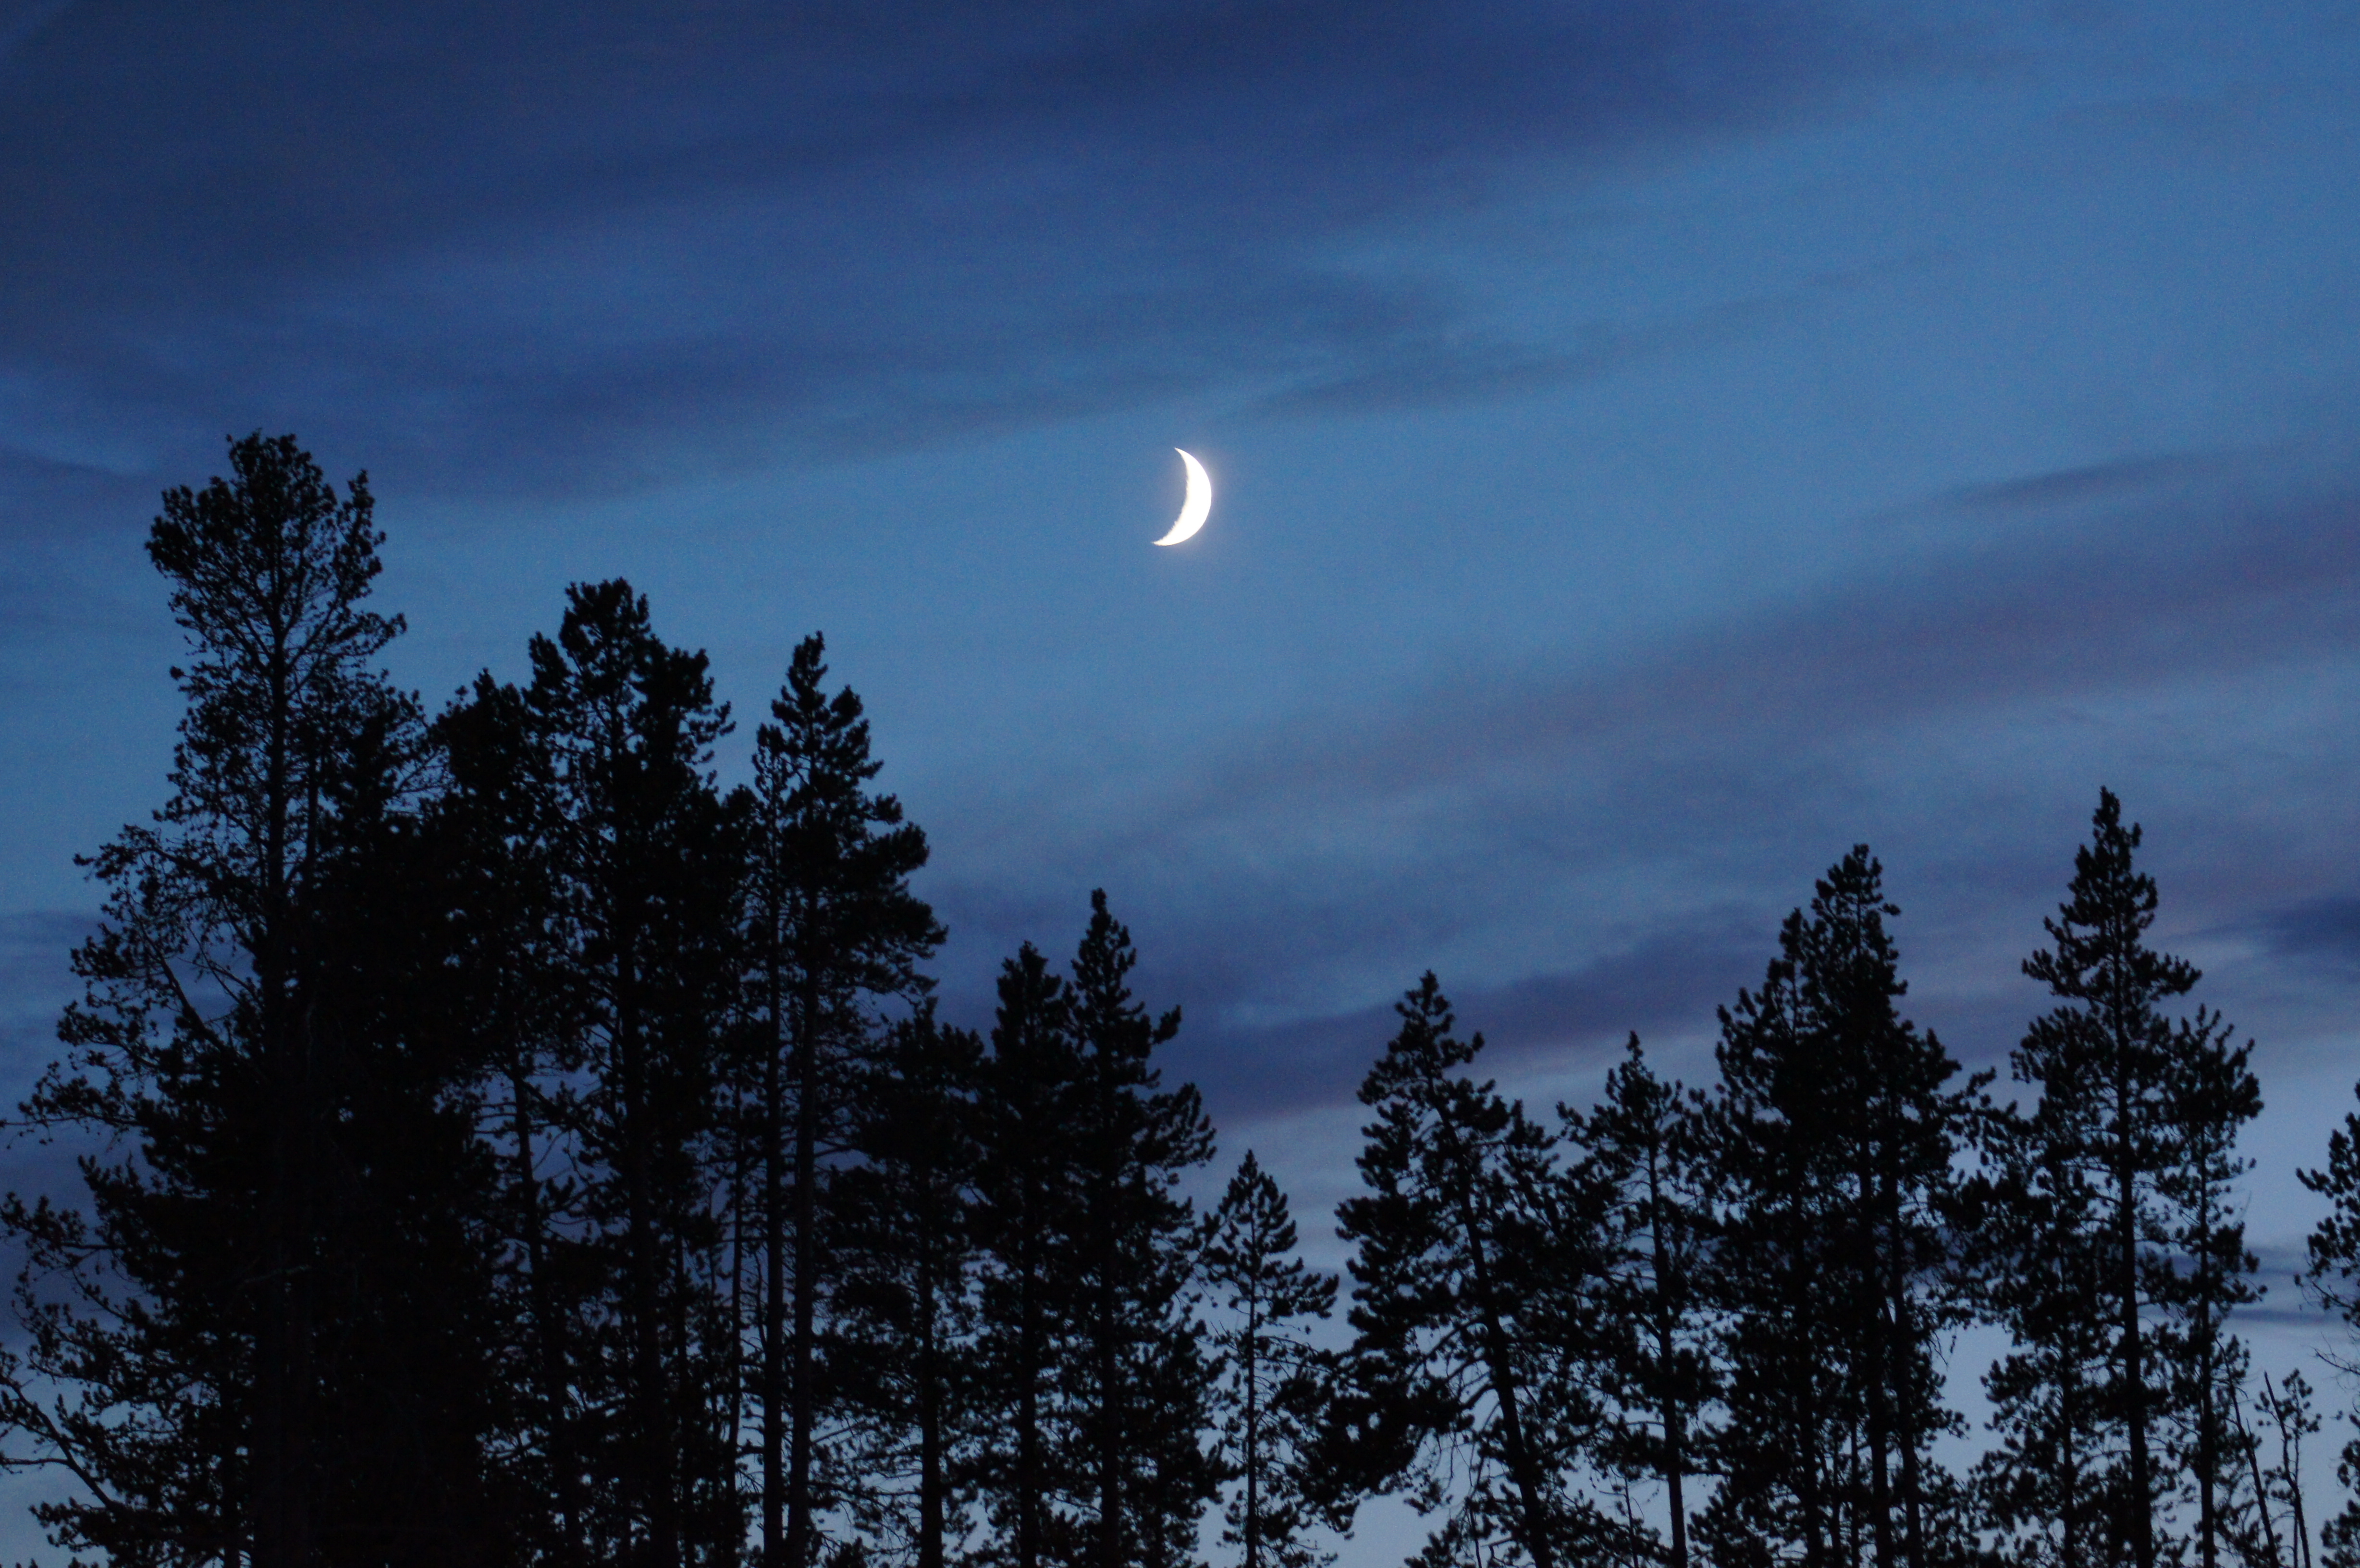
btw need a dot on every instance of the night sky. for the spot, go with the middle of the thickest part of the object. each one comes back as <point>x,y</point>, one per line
<point>1657,446</point>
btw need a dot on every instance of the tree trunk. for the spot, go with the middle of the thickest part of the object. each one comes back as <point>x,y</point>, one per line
<point>799,1498</point>
<point>774,1270</point>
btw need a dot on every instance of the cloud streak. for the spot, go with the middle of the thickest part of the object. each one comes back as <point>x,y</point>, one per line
<point>525,244</point>
<point>1609,847</point>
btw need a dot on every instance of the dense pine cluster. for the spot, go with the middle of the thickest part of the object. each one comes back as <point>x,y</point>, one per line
<point>499,1144</point>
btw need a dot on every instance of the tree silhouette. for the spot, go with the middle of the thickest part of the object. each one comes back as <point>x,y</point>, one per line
<point>833,929</point>
<point>2101,1162</point>
<point>1028,1226</point>
<point>1840,1129</point>
<point>904,1298</point>
<point>271,1324</point>
<point>1441,1297</point>
<point>648,858</point>
<point>1276,1380</point>
<point>1647,1146</point>
<point>1145,1403</point>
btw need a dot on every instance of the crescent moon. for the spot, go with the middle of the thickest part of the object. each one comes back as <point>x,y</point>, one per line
<point>1197,507</point>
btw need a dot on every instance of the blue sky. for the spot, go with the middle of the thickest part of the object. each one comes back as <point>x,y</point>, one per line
<point>1656,447</point>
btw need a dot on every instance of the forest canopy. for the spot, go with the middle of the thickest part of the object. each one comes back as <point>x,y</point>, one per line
<point>499,1143</point>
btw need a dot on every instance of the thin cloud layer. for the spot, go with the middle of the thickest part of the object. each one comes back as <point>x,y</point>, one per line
<point>1610,848</point>
<point>519,242</point>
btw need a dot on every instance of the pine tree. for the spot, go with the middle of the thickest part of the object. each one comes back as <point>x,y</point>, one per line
<point>2207,1271</point>
<point>2104,1159</point>
<point>1276,1381</point>
<point>2333,1256</point>
<point>1647,1147</point>
<point>2044,1485</point>
<point>906,1302</point>
<point>1447,1365</point>
<point>1029,1230</point>
<point>648,855</point>
<point>1840,1125</point>
<point>267,1323</point>
<point>833,931</point>
<point>510,977</point>
<point>1145,1404</point>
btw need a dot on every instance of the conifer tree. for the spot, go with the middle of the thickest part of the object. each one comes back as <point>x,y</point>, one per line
<point>267,1325</point>
<point>2208,1272</point>
<point>2118,1145</point>
<point>1841,1124</point>
<point>647,862</point>
<point>2045,1485</point>
<point>1146,1405</point>
<point>1276,1381</point>
<point>511,978</point>
<point>1448,1364</point>
<point>1647,1147</point>
<point>2333,1279</point>
<point>833,932</point>
<point>1029,1230</point>
<point>906,1302</point>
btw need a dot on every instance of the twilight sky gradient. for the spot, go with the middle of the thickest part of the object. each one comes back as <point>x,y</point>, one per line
<point>1658,445</point>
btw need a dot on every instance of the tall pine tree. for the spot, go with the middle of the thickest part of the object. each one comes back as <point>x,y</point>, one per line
<point>1449,1363</point>
<point>905,1303</point>
<point>1142,1342</point>
<point>267,1325</point>
<point>833,932</point>
<point>1275,1382</point>
<point>1647,1146</point>
<point>2121,1165</point>
<point>648,859</point>
<point>1841,1123</point>
<point>1029,1232</point>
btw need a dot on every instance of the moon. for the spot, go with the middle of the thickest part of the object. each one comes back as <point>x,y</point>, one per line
<point>1197,507</point>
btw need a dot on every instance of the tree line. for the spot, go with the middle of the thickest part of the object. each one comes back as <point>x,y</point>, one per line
<point>495,1142</point>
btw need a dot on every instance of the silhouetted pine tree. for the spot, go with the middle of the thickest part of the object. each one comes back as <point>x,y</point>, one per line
<point>648,858</point>
<point>1142,1379</point>
<point>2212,1094</point>
<point>2045,1486</point>
<point>269,1329</point>
<point>833,931</point>
<point>511,978</point>
<point>1839,1126</point>
<point>2096,1163</point>
<point>2333,1256</point>
<point>1029,1229</point>
<point>1648,1147</point>
<point>1274,1383</point>
<point>1452,1378</point>
<point>904,1300</point>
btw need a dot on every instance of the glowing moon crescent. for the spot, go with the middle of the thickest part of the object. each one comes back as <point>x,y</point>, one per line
<point>1197,507</point>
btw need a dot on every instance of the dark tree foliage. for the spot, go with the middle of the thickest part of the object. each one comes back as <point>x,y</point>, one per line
<point>269,1325</point>
<point>1142,1372</point>
<point>646,876</point>
<point>1647,1147</point>
<point>833,931</point>
<point>2119,1170</point>
<point>2045,1485</point>
<point>500,1147</point>
<point>509,977</point>
<point>904,1296</point>
<point>2208,1277</point>
<point>1275,1382</point>
<point>2333,1277</point>
<point>1455,1390</point>
<point>1839,1122</point>
<point>1028,1227</point>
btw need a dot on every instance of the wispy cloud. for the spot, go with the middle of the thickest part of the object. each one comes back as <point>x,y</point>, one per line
<point>1608,846</point>
<point>540,244</point>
